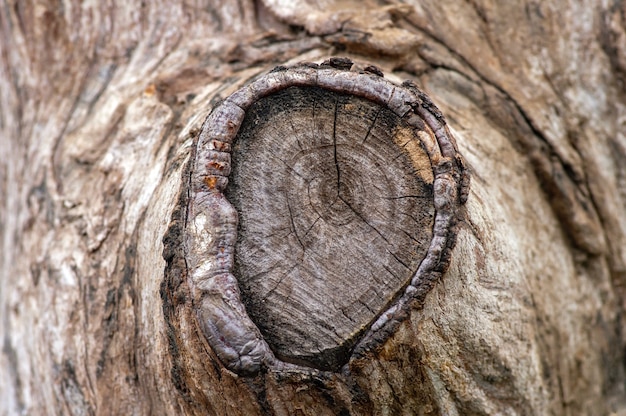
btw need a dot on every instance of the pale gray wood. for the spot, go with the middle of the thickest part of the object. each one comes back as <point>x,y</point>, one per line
<point>334,218</point>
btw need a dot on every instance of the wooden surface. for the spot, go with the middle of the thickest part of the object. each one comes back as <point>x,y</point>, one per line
<point>209,231</point>
<point>100,104</point>
<point>336,214</point>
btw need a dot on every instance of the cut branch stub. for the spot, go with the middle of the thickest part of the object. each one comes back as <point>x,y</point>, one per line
<point>345,189</point>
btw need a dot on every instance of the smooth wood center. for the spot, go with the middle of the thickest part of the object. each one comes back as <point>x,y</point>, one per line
<point>334,196</point>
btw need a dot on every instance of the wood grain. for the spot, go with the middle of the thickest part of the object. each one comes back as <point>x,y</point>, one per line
<point>335,202</point>
<point>100,108</point>
<point>348,187</point>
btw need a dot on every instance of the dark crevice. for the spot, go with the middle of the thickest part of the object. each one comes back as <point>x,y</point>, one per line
<point>369,130</point>
<point>362,218</point>
<point>343,312</point>
<point>391,272</point>
<point>367,307</point>
<point>547,181</point>
<point>410,236</point>
<point>395,256</point>
<point>335,147</point>
<point>293,224</point>
<point>313,225</point>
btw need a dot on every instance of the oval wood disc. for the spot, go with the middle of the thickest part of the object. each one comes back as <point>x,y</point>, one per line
<point>346,191</point>
<point>335,201</point>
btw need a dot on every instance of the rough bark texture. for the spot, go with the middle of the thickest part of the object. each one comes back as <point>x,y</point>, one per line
<point>100,105</point>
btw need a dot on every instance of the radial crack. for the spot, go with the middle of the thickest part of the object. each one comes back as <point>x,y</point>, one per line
<point>395,256</point>
<point>358,214</point>
<point>292,169</point>
<point>280,280</point>
<point>293,224</point>
<point>369,130</point>
<point>313,225</point>
<point>335,145</point>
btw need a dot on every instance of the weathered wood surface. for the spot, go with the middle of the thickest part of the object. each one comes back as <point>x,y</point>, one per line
<point>339,288</point>
<point>334,219</point>
<point>99,105</point>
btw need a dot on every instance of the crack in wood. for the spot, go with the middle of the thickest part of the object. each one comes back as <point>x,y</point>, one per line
<point>335,149</point>
<point>353,286</point>
<point>293,225</point>
<point>369,130</point>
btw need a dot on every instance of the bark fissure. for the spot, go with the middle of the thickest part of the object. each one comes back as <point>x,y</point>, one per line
<point>570,223</point>
<point>101,105</point>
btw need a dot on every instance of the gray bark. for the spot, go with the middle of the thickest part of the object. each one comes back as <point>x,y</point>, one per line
<point>100,106</point>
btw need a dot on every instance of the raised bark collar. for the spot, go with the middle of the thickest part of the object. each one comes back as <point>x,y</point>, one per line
<point>346,189</point>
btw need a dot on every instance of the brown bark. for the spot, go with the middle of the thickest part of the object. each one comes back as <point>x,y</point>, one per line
<point>100,105</point>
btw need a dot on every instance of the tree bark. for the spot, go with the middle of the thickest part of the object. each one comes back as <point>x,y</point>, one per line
<point>101,111</point>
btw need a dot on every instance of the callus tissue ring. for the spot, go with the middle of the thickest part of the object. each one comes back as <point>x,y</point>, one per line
<point>211,230</point>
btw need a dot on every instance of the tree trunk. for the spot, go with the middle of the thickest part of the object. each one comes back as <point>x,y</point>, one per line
<point>106,171</point>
